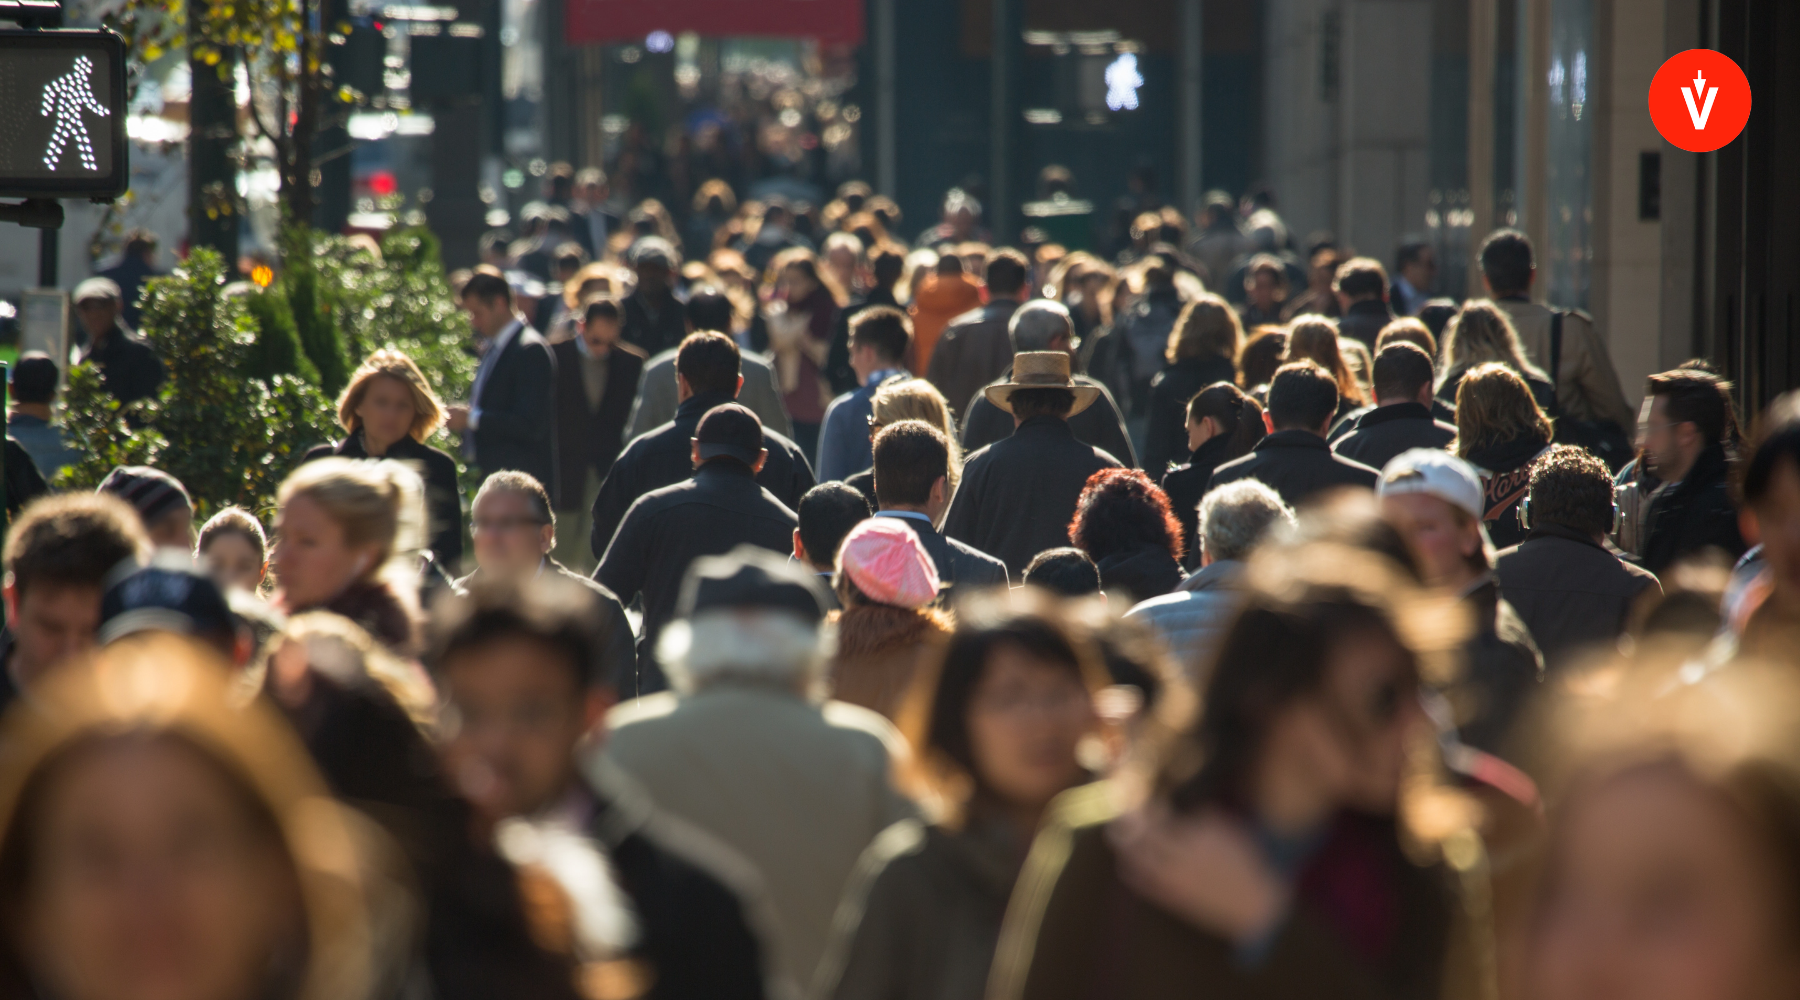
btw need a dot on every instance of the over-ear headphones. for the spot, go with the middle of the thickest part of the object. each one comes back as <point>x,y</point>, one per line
<point>1525,514</point>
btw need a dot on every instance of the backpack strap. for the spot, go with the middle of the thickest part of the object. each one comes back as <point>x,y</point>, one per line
<point>1556,325</point>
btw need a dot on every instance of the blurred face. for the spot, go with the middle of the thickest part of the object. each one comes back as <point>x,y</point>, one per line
<point>1670,447</point>
<point>487,316</point>
<point>174,529</point>
<point>97,315</point>
<point>312,559</point>
<point>653,276</point>
<point>796,284</point>
<point>1441,538</point>
<point>1264,286</point>
<point>1658,891</point>
<point>151,881</point>
<point>386,413</point>
<point>1422,270</point>
<point>51,623</point>
<point>600,334</point>
<point>1777,520</point>
<point>1026,718</point>
<point>509,539</point>
<point>517,713</point>
<point>1351,734</point>
<point>233,561</point>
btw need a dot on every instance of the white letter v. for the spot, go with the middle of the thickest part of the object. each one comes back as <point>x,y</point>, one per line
<point>1697,115</point>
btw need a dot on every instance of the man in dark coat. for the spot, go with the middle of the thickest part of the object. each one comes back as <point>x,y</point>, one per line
<point>1362,290</point>
<point>1684,440</point>
<point>654,319</point>
<point>706,376</point>
<point>536,650</point>
<point>509,422</point>
<point>1018,495</point>
<point>975,349</point>
<point>1047,326</point>
<point>136,266</point>
<point>912,463</point>
<point>514,529</point>
<point>827,513</point>
<point>129,368</point>
<point>1402,416</point>
<point>887,266</point>
<point>1568,587</point>
<point>1295,461</point>
<point>596,380</point>
<point>718,509</point>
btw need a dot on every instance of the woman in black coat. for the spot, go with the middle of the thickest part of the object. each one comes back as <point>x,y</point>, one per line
<point>389,411</point>
<point>1203,349</point>
<point>1223,423</point>
<point>1500,430</point>
<point>1123,523</point>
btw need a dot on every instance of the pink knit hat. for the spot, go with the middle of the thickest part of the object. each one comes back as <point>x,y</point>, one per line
<point>886,561</point>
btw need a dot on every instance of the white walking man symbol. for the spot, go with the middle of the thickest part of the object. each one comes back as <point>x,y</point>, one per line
<point>67,97</point>
<point>1699,114</point>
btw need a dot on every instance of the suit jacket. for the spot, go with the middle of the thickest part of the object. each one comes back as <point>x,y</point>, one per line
<point>1364,321</point>
<point>1100,425</point>
<point>654,325</point>
<point>1295,464</point>
<point>957,564</point>
<point>518,411</point>
<point>657,390</point>
<point>665,456</point>
<point>1018,495</point>
<point>1379,434</point>
<point>972,352</point>
<point>589,437</point>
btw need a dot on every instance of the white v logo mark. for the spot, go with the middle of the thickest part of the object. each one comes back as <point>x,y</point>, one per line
<point>1699,114</point>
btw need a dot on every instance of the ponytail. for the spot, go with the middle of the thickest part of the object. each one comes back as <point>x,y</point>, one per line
<point>1239,416</point>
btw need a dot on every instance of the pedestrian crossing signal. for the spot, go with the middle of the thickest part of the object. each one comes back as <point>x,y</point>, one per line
<point>62,115</point>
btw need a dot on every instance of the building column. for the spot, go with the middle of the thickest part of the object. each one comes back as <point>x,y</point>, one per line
<point>1484,40</point>
<point>1003,118</point>
<point>1192,60</point>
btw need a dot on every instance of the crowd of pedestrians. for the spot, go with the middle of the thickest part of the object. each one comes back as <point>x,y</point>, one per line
<point>841,616</point>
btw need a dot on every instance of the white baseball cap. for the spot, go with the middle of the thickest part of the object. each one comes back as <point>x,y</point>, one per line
<point>1437,473</point>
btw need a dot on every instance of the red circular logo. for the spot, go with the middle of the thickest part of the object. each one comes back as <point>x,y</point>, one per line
<point>1699,100</point>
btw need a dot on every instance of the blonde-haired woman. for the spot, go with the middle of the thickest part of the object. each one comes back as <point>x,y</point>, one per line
<point>1481,333</point>
<point>389,411</point>
<point>1501,430</point>
<point>913,399</point>
<point>1203,348</point>
<point>343,538</point>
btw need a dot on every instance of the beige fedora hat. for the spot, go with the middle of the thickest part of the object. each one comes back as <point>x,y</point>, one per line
<point>1042,370</point>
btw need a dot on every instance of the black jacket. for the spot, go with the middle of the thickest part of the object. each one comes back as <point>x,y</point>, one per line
<point>665,456</point>
<point>129,368</point>
<point>1141,573</point>
<point>1295,464</point>
<point>1165,438</point>
<point>589,437</point>
<point>621,645</point>
<point>1018,495</point>
<point>958,564</point>
<point>717,510</point>
<point>1694,514</point>
<point>1100,425</point>
<point>518,411</point>
<point>1364,321</point>
<point>1380,434</point>
<point>443,495</point>
<point>1570,591</point>
<point>1186,486</point>
<point>1503,668</point>
<point>1506,477</point>
<point>654,323</point>
<point>24,483</point>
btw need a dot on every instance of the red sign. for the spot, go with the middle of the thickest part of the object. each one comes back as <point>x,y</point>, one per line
<point>1699,100</point>
<point>602,21</point>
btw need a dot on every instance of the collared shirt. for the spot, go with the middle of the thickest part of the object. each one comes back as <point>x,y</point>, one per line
<point>489,358</point>
<point>915,515</point>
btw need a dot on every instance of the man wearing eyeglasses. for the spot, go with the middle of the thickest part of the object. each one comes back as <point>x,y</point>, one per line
<point>514,530</point>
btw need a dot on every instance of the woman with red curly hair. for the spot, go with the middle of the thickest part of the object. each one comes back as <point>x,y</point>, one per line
<point>1123,522</point>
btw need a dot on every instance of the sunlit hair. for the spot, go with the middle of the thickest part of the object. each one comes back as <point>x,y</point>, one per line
<point>167,690</point>
<point>428,412</point>
<point>917,399</point>
<point>345,653</point>
<point>1407,330</point>
<point>934,715</point>
<point>1207,327</point>
<point>374,502</point>
<point>1315,338</point>
<point>807,262</point>
<point>1481,332</point>
<point>1260,357</point>
<point>1493,406</point>
<point>1120,510</point>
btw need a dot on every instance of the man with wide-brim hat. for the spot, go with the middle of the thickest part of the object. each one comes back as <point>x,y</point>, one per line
<point>1018,494</point>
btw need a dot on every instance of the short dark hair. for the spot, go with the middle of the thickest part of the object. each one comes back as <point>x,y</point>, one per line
<point>34,378</point>
<point>1006,271</point>
<point>601,307</point>
<point>884,328</point>
<point>708,309</point>
<point>139,242</point>
<point>887,264</point>
<point>1302,395</point>
<point>1028,403</point>
<point>709,361</point>
<point>827,513</point>
<point>1506,261</point>
<point>1401,370</point>
<point>558,613</point>
<point>524,484</point>
<point>1570,487</point>
<point>910,455</point>
<point>1066,571</point>
<point>487,287</point>
<point>1777,440</point>
<point>1360,277</point>
<point>72,540</point>
<point>1697,397</point>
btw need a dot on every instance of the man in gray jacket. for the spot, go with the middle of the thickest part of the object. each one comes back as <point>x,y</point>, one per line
<point>1234,520</point>
<point>658,396</point>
